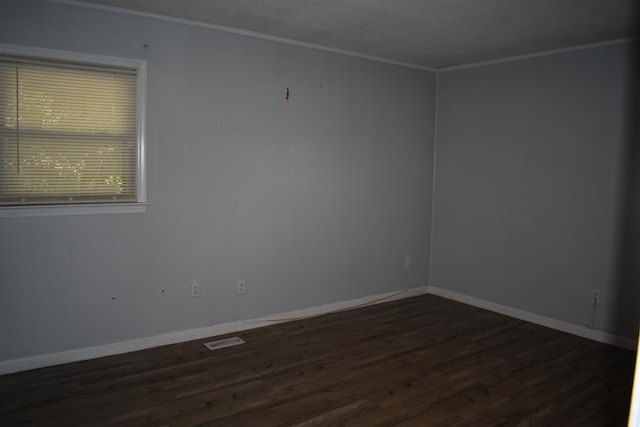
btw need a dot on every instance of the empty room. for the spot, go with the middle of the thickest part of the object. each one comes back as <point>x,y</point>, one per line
<point>319,213</point>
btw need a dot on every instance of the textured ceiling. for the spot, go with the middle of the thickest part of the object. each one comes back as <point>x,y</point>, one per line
<point>423,33</point>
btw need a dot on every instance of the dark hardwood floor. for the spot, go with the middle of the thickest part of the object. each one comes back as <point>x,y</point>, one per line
<point>421,361</point>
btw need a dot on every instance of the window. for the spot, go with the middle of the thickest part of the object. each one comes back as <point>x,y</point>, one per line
<point>71,133</point>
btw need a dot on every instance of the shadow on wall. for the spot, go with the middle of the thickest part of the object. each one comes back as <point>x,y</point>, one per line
<point>627,277</point>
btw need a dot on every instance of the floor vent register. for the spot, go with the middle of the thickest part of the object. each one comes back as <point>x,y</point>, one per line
<point>227,342</point>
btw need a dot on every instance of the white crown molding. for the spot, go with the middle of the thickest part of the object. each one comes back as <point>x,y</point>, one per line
<point>240,32</point>
<point>537,54</point>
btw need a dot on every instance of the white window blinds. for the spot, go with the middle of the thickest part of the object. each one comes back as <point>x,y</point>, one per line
<point>67,134</point>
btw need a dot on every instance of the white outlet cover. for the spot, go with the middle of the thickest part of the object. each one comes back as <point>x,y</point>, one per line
<point>195,289</point>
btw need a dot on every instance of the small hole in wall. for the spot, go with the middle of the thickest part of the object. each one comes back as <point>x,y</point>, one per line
<point>286,95</point>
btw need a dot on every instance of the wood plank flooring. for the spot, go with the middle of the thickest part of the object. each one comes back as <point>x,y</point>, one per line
<point>421,361</point>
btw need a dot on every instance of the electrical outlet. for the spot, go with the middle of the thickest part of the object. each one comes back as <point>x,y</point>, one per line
<point>241,287</point>
<point>195,289</point>
<point>595,296</point>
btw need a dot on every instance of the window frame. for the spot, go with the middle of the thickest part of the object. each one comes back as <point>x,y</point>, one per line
<point>68,57</point>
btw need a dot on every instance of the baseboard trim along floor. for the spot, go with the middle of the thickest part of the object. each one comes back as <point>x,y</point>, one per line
<point>40,361</point>
<point>527,316</point>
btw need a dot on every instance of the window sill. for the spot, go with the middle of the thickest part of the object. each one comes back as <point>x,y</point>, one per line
<point>57,210</point>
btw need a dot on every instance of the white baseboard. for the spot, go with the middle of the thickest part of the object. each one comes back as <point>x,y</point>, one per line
<point>41,361</point>
<point>549,322</point>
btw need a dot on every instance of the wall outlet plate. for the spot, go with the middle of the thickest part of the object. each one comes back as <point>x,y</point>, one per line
<point>195,289</point>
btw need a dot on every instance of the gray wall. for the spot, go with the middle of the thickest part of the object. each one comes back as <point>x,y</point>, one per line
<point>529,185</point>
<point>318,199</point>
<point>311,201</point>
